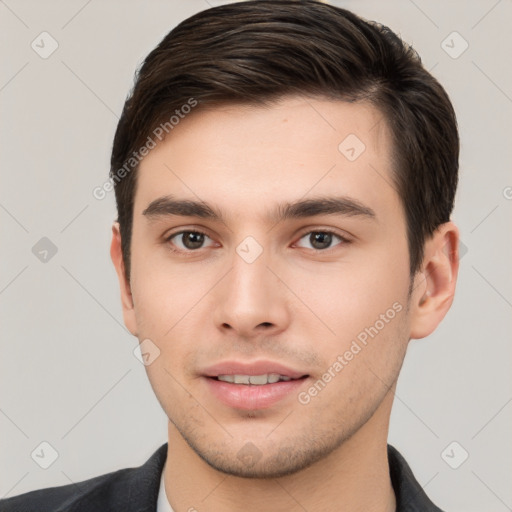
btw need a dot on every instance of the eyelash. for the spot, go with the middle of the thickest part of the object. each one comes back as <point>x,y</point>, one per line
<point>344,240</point>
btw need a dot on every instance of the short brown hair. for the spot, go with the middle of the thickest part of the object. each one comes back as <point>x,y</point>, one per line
<point>258,51</point>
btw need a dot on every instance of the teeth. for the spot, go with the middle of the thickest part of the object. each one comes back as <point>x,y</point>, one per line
<point>256,380</point>
<point>226,378</point>
<point>272,377</point>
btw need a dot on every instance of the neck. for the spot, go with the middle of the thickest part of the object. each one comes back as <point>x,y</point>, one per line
<point>353,478</point>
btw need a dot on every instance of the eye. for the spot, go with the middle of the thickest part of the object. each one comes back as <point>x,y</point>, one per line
<point>190,240</point>
<point>321,240</point>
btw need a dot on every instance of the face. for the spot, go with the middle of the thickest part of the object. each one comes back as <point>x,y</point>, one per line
<point>293,265</point>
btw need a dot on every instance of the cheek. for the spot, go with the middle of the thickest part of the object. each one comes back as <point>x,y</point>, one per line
<point>164,294</point>
<point>169,309</point>
<point>364,305</point>
<point>361,368</point>
<point>351,296</point>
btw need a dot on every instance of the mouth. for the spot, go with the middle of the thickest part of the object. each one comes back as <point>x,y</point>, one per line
<point>256,380</point>
<point>249,386</point>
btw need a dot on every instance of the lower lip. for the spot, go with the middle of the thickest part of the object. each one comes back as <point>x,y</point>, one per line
<point>249,397</point>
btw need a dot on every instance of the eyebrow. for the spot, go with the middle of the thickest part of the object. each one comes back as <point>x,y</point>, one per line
<point>344,206</point>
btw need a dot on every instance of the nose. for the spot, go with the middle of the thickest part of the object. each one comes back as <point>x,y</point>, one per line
<point>252,299</point>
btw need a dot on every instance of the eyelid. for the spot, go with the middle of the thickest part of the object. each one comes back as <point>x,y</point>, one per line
<point>180,231</point>
<point>306,231</point>
<point>344,238</point>
<point>168,237</point>
<point>324,229</point>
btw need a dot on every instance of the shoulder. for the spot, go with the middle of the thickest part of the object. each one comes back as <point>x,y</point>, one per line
<point>125,489</point>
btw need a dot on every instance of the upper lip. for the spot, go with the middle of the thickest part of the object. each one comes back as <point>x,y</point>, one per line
<point>251,368</point>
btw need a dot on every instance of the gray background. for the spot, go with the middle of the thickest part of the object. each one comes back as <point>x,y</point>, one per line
<point>68,375</point>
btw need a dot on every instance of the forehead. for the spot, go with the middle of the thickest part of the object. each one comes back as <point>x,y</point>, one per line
<point>247,157</point>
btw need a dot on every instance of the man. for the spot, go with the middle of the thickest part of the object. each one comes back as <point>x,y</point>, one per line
<point>284,175</point>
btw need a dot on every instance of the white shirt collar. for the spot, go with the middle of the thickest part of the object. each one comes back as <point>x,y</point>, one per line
<point>163,504</point>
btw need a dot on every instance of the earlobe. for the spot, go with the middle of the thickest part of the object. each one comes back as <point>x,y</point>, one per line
<point>116,255</point>
<point>434,286</point>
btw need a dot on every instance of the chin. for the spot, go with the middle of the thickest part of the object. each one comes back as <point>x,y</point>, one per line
<point>270,462</point>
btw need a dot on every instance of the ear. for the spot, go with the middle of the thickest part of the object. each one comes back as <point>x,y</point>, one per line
<point>434,285</point>
<point>126,295</point>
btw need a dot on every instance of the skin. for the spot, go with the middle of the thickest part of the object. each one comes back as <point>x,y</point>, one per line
<point>298,303</point>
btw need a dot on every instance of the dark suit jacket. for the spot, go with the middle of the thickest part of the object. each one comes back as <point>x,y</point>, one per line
<point>136,490</point>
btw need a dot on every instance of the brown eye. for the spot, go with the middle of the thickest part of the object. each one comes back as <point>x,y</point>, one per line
<point>188,240</point>
<point>192,240</point>
<point>321,240</point>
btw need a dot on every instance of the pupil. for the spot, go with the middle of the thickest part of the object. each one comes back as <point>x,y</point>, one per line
<point>193,240</point>
<point>323,238</point>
